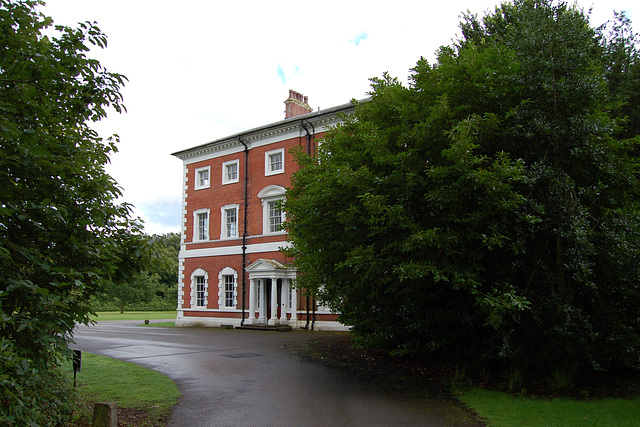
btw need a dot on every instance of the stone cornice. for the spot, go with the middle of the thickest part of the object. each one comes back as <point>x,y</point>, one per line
<point>319,119</point>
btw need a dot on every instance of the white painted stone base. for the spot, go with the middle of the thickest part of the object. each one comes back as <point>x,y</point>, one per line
<point>216,322</point>
<point>210,322</point>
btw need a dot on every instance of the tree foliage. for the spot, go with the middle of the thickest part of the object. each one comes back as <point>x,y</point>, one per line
<point>488,212</point>
<point>147,276</point>
<point>59,222</point>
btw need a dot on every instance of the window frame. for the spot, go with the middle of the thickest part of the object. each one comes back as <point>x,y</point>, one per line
<point>223,296</point>
<point>197,274</point>
<point>229,284</point>
<point>268,195</point>
<point>201,288</point>
<point>267,162</point>
<point>272,205</point>
<point>225,166</point>
<point>198,234</point>
<point>223,221</point>
<point>198,181</point>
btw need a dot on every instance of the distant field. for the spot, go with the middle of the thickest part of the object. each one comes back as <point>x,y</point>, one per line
<point>135,315</point>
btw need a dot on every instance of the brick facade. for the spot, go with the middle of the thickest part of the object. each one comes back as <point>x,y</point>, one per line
<point>231,269</point>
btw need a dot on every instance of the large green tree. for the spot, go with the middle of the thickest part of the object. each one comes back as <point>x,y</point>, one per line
<point>488,211</point>
<point>59,220</point>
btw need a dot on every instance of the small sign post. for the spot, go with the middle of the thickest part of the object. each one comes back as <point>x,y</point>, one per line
<point>77,364</point>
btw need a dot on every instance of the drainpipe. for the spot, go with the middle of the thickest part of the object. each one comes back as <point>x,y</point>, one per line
<point>314,312</point>
<point>313,129</point>
<point>244,228</point>
<point>309,153</point>
<point>306,326</point>
<point>308,136</point>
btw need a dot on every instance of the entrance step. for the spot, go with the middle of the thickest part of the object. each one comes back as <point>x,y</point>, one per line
<point>277,328</point>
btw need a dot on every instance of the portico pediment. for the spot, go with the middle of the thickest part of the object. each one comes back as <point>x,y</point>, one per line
<point>270,268</point>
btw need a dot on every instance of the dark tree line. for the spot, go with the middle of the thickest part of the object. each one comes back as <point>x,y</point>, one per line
<point>150,285</point>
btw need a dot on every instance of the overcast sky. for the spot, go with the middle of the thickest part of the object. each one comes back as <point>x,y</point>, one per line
<point>202,70</point>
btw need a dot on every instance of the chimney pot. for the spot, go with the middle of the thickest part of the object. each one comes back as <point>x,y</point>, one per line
<point>296,105</point>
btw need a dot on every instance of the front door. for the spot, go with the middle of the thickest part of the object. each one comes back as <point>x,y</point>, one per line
<point>267,298</point>
<point>279,293</point>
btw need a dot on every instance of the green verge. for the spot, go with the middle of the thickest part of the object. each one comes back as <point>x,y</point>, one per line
<point>134,315</point>
<point>502,409</point>
<point>103,379</point>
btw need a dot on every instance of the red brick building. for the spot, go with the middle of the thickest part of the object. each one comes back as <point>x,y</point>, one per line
<point>231,269</point>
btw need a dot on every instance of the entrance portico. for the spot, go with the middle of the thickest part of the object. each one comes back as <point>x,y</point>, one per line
<point>272,295</point>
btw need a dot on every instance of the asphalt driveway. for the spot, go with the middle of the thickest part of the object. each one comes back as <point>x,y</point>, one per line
<point>254,378</point>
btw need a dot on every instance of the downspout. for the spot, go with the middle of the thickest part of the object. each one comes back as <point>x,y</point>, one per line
<point>313,129</point>
<point>309,153</point>
<point>244,228</point>
<point>306,326</point>
<point>308,137</point>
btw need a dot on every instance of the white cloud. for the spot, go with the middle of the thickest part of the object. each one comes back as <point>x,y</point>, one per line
<point>202,70</point>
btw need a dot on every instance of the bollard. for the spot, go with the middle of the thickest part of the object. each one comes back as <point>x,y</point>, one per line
<point>105,414</point>
<point>77,364</point>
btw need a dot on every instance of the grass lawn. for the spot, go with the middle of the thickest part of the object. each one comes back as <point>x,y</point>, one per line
<point>502,409</point>
<point>135,315</point>
<point>142,393</point>
<point>145,397</point>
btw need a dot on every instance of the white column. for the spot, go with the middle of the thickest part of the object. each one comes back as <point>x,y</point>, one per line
<point>294,303</point>
<point>274,301</point>
<point>262,316</point>
<point>284,299</point>
<point>252,301</point>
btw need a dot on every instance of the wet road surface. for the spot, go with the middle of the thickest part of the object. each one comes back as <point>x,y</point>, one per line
<point>254,378</point>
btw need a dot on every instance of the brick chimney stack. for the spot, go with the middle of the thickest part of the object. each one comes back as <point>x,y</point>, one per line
<point>296,105</point>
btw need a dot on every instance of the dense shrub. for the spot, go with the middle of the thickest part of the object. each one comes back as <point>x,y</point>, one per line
<point>32,394</point>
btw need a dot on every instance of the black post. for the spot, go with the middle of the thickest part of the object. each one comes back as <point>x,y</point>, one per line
<point>77,364</point>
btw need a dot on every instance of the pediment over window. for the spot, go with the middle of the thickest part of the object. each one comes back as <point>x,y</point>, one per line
<point>271,191</point>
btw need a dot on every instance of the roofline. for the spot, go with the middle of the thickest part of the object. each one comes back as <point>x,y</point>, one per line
<point>310,116</point>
